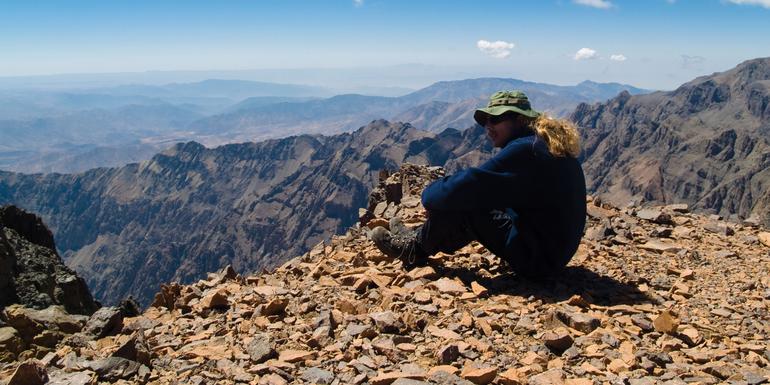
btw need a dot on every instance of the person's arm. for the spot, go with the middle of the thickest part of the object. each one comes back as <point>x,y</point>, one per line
<point>506,180</point>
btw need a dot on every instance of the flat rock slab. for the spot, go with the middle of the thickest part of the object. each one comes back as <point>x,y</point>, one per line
<point>448,286</point>
<point>318,376</point>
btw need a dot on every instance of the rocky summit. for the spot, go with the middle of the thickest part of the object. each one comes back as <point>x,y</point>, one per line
<point>654,295</point>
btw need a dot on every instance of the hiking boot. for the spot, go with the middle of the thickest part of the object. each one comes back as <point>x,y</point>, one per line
<point>396,226</point>
<point>402,245</point>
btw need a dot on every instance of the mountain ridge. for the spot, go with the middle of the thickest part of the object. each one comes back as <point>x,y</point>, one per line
<point>704,143</point>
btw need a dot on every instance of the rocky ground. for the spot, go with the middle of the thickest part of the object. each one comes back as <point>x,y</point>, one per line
<point>654,295</point>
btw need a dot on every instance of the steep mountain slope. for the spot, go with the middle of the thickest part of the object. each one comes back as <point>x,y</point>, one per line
<point>706,143</point>
<point>31,272</point>
<point>191,209</point>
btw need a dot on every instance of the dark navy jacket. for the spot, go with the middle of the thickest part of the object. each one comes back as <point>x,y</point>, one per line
<point>547,193</point>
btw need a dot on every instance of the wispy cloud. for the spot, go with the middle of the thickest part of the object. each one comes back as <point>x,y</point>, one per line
<point>618,57</point>
<point>689,62</point>
<point>586,54</point>
<point>601,4</point>
<point>497,49</point>
<point>761,3</point>
<point>358,3</point>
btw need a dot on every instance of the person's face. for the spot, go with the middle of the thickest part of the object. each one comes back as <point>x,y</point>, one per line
<point>500,129</point>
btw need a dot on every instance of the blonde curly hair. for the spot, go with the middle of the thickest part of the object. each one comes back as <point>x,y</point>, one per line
<point>560,135</point>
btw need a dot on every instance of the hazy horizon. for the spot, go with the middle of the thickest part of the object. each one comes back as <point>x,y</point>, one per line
<point>408,78</point>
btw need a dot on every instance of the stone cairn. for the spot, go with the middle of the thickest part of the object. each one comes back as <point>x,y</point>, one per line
<point>655,295</point>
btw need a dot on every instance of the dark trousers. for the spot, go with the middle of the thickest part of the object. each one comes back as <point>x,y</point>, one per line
<point>448,231</point>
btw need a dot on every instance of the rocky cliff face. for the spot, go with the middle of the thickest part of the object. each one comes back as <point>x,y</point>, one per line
<point>192,209</point>
<point>705,143</point>
<point>653,295</point>
<point>31,272</point>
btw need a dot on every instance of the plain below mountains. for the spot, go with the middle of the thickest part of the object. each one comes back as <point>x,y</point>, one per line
<point>72,131</point>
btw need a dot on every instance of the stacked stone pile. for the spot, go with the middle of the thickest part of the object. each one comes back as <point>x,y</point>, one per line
<point>654,295</point>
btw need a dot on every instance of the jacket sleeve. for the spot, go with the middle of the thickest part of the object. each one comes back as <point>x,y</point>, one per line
<point>506,180</point>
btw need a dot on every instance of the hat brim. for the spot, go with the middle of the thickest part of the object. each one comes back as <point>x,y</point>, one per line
<point>480,116</point>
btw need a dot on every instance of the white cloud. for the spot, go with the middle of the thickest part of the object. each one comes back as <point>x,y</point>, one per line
<point>601,4</point>
<point>690,62</point>
<point>761,3</point>
<point>618,57</point>
<point>585,54</point>
<point>497,49</point>
<point>358,3</point>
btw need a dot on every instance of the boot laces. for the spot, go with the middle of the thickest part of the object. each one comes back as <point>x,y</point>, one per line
<point>406,243</point>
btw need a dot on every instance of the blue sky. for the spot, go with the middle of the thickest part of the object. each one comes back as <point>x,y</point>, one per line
<point>647,43</point>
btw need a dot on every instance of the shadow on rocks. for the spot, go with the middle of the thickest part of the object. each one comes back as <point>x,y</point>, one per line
<point>572,280</point>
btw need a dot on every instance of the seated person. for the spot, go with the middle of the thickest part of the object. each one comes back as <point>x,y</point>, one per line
<point>527,204</point>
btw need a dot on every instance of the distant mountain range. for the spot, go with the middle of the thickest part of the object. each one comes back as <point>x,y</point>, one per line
<point>707,143</point>
<point>434,108</point>
<point>44,131</point>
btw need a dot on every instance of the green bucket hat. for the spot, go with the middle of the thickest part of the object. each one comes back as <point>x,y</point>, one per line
<point>505,101</point>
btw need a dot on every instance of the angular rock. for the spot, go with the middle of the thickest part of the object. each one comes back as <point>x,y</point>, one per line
<point>10,343</point>
<point>445,378</point>
<point>655,215</point>
<point>260,348</point>
<point>681,208</point>
<point>114,368</point>
<point>317,376</point>
<point>29,372</point>
<point>215,300</point>
<point>481,376</point>
<point>558,340</point>
<point>365,331</point>
<point>389,378</point>
<point>665,322</point>
<point>31,322</point>
<point>479,290</point>
<point>274,307</point>
<point>764,238</point>
<point>386,321</point>
<point>578,321</point>
<point>293,356</point>
<point>512,376</point>
<point>425,272</point>
<point>86,377</point>
<point>550,377</point>
<point>408,381</point>
<point>447,354</point>
<point>660,246</point>
<point>106,321</point>
<point>448,286</point>
<point>135,349</point>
